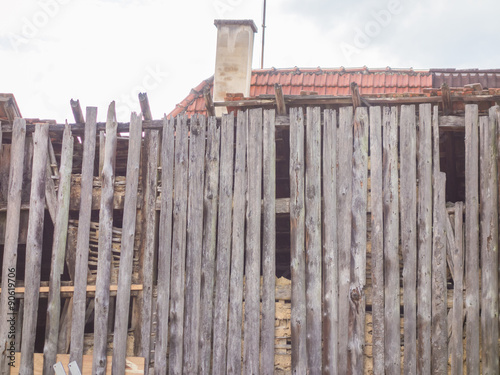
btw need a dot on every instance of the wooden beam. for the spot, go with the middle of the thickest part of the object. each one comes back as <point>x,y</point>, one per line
<point>280,99</point>
<point>446,95</point>
<point>356,99</point>
<point>145,108</point>
<point>209,102</point>
<point>77,111</point>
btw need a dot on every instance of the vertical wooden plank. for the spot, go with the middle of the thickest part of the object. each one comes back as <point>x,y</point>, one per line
<point>313,239</point>
<point>58,253</point>
<point>34,247</point>
<point>358,242</point>
<point>82,249</point>
<point>252,251</point>
<point>103,279</point>
<point>489,243</point>
<point>234,336</point>
<point>269,245</point>
<point>344,199</point>
<point>392,353</point>
<point>297,237</point>
<point>424,281</point>
<point>210,199</point>
<point>178,262</point>
<point>194,243</point>
<point>164,245</point>
<point>409,234</point>
<point>330,255</point>
<point>457,351</point>
<point>377,239</point>
<point>223,245</point>
<point>127,245</point>
<point>11,238</point>
<point>472,238</point>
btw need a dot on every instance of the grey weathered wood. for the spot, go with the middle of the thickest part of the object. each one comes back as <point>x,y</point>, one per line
<point>127,245</point>
<point>358,242</point>
<point>58,253</point>
<point>269,245</point>
<point>194,243</point>
<point>102,142</point>
<point>223,245</point>
<point>252,245</point>
<point>439,358</point>
<point>103,279</point>
<point>164,245</point>
<point>210,199</point>
<point>297,237</point>
<point>63,341</point>
<point>489,242</point>
<point>50,193</point>
<point>424,242</point>
<point>344,199</point>
<point>82,249</point>
<point>330,255</point>
<point>472,238</point>
<point>377,239</point>
<point>34,245</point>
<point>457,350</point>
<point>11,234</point>
<point>313,239</point>
<point>234,335</point>
<point>392,354</point>
<point>77,111</point>
<point>178,262</point>
<point>409,234</point>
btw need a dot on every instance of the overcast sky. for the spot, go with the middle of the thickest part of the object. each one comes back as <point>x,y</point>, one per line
<point>103,50</point>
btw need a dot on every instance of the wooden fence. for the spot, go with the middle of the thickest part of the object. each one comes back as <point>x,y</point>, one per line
<point>386,277</point>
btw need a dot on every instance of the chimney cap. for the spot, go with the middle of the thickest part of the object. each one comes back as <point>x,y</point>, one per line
<point>250,23</point>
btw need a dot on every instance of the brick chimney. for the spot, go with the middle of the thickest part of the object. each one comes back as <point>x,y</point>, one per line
<point>233,60</point>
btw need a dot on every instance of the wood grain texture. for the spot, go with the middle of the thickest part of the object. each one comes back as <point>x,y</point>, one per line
<point>457,349</point>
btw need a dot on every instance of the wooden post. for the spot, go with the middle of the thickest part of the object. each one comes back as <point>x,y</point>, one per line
<point>194,243</point>
<point>209,102</point>
<point>313,239</point>
<point>377,239</point>
<point>457,349</point>
<point>105,237</point>
<point>11,238</point>
<point>297,236</point>
<point>34,244</point>
<point>77,111</point>
<point>424,286</point>
<point>330,256</point>
<point>472,238</point>
<point>82,249</point>
<point>223,245</point>
<point>392,353</point>
<point>210,199</point>
<point>178,246</point>
<point>280,99</point>
<point>269,246</point>
<point>489,243</point>
<point>58,253</point>
<point>164,245</point>
<point>127,245</point>
<point>234,335</point>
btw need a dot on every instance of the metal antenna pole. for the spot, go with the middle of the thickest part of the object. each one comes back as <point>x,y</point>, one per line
<point>263,35</point>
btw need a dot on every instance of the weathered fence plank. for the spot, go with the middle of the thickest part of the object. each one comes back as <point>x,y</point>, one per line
<point>164,245</point>
<point>472,238</point>
<point>223,245</point>
<point>58,253</point>
<point>391,242</point>
<point>358,241</point>
<point>178,262</point>
<point>127,245</point>
<point>424,281</point>
<point>194,243</point>
<point>344,199</point>
<point>9,271</point>
<point>377,239</point>
<point>489,242</point>
<point>211,199</point>
<point>238,249</point>
<point>103,279</point>
<point>408,234</point>
<point>457,349</point>
<point>82,245</point>
<point>34,244</point>
<point>297,239</point>
<point>330,256</point>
